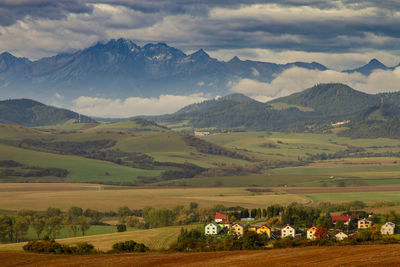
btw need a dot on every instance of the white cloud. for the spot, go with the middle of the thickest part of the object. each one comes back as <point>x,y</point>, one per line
<point>297,79</point>
<point>58,96</point>
<point>133,106</point>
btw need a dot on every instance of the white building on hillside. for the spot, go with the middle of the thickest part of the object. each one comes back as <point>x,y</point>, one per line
<point>288,231</point>
<point>212,229</point>
<point>388,228</point>
<point>340,236</point>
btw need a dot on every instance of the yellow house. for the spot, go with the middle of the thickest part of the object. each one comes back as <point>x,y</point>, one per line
<point>264,230</point>
<point>364,224</point>
<point>311,233</point>
<point>237,229</point>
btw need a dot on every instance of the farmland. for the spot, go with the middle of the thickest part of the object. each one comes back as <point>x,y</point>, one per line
<point>158,238</point>
<point>143,149</point>
<point>374,255</point>
<point>105,198</point>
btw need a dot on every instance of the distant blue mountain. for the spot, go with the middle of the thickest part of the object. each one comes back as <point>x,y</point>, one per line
<point>120,68</point>
<point>367,69</point>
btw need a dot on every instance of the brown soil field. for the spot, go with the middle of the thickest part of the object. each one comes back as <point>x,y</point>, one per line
<point>374,255</point>
<point>89,125</point>
<point>316,190</point>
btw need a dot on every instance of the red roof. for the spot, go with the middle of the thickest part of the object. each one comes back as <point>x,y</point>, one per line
<point>220,216</point>
<point>344,218</point>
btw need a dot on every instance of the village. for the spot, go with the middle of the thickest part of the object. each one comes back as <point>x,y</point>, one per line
<point>221,224</point>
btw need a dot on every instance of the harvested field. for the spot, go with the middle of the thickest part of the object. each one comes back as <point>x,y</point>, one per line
<point>374,255</point>
<point>31,187</point>
<point>44,195</point>
<point>316,190</point>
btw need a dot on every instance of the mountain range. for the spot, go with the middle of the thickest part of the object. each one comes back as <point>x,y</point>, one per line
<point>120,69</point>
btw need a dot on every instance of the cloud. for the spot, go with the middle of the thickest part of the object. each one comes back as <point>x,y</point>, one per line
<point>317,26</point>
<point>133,106</point>
<point>13,10</point>
<point>296,79</point>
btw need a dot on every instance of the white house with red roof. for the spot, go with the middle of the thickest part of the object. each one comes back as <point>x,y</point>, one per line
<point>219,217</point>
<point>345,219</point>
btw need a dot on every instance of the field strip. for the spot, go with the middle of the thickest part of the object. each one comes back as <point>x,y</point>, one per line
<point>372,255</point>
<point>315,190</point>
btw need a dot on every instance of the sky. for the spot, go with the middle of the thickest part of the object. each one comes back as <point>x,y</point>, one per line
<point>340,34</point>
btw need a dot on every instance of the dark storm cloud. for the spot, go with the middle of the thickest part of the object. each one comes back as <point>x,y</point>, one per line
<point>328,26</point>
<point>14,10</point>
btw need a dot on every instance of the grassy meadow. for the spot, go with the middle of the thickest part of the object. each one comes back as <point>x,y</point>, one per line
<point>81,169</point>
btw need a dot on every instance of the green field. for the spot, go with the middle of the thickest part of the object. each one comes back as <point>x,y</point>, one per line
<point>93,230</point>
<point>170,147</point>
<point>81,169</point>
<point>293,145</point>
<point>157,238</point>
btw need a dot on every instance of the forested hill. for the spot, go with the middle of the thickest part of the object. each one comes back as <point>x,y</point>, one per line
<point>332,99</point>
<point>377,121</point>
<point>32,113</point>
<point>321,104</point>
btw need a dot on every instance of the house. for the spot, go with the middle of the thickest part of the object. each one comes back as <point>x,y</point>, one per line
<point>340,236</point>
<point>264,230</point>
<point>364,224</point>
<point>237,229</point>
<point>345,219</point>
<point>388,228</point>
<point>311,232</point>
<point>288,231</point>
<point>219,217</point>
<point>201,133</point>
<point>212,229</point>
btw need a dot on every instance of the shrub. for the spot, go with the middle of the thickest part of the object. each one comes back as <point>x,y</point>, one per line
<point>121,227</point>
<point>52,247</point>
<point>42,246</point>
<point>129,246</point>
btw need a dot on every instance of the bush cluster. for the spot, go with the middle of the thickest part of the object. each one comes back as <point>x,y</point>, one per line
<point>53,247</point>
<point>129,246</point>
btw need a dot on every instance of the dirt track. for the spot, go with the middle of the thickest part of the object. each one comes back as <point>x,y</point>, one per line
<point>376,255</point>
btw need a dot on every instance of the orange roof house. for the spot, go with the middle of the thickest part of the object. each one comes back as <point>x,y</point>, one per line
<point>219,217</point>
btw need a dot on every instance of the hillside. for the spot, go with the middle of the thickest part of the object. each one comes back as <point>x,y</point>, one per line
<point>331,99</point>
<point>135,152</point>
<point>233,112</point>
<point>318,106</point>
<point>32,113</point>
<point>374,122</point>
